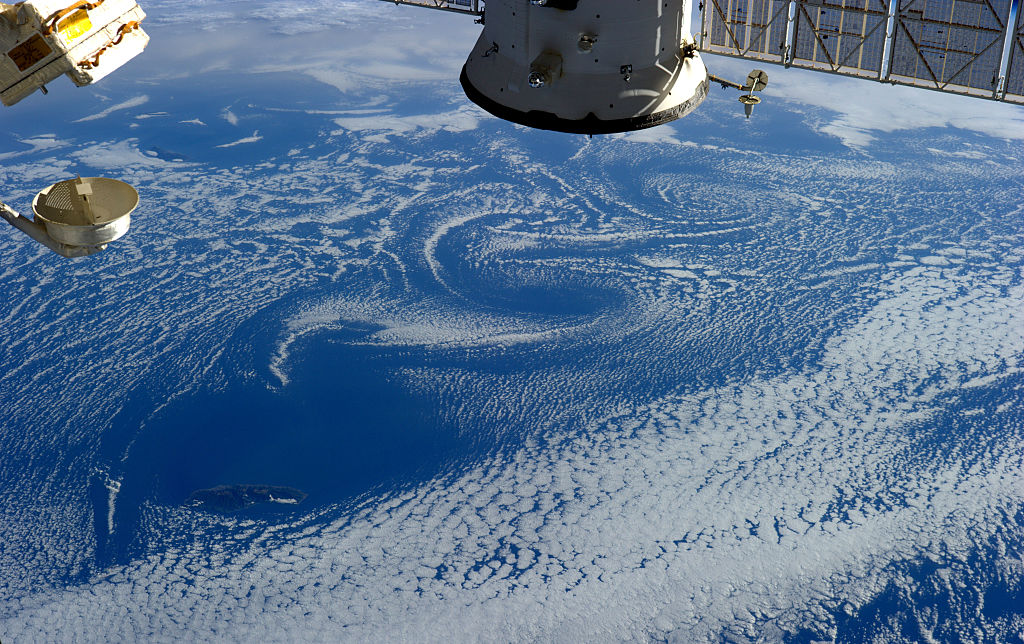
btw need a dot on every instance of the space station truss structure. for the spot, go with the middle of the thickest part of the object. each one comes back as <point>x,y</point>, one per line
<point>970,47</point>
<point>474,7</point>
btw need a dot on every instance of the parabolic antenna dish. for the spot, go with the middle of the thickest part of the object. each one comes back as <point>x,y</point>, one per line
<point>87,211</point>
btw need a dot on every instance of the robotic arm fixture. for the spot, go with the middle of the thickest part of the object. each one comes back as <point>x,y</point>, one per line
<point>756,81</point>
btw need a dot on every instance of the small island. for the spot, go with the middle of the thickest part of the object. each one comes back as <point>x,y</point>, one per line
<point>230,498</point>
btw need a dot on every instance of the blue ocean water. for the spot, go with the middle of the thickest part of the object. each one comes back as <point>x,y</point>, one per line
<point>498,303</point>
<point>341,430</point>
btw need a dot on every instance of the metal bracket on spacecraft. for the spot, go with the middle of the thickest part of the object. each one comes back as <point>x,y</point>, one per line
<point>86,40</point>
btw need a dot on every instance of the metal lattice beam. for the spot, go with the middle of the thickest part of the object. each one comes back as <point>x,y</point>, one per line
<point>474,7</point>
<point>954,46</point>
<point>1014,87</point>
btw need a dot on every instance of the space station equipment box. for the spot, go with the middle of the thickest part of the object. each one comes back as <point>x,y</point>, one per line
<point>84,40</point>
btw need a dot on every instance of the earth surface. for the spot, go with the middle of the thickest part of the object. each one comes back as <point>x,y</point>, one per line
<point>721,380</point>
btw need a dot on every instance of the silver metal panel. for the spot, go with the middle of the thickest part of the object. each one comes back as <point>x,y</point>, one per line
<point>475,7</point>
<point>844,36</point>
<point>948,45</point>
<point>1015,69</point>
<point>951,45</point>
<point>746,28</point>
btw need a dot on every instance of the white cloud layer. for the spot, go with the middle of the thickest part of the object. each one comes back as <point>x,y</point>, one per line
<point>861,112</point>
<point>677,519</point>
<point>460,120</point>
<point>254,138</point>
<point>124,105</point>
<point>750,504</point>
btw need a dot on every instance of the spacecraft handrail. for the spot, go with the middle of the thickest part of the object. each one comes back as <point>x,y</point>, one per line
<point>121,32</point>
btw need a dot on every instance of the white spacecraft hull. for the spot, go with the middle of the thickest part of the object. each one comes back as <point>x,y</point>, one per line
<point>85,40</point>
<point>586,66</point>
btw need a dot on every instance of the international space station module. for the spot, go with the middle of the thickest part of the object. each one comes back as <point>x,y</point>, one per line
<point>584,66</point>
